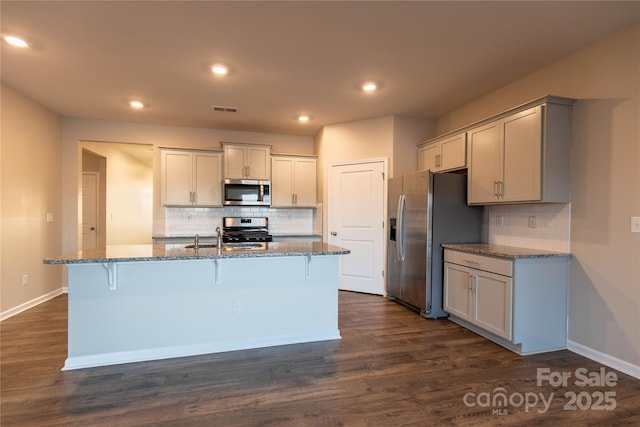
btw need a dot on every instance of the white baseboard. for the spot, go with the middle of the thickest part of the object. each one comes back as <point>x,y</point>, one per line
<point>605,359</point>
<point>90,361</point>
<point>29,304</point>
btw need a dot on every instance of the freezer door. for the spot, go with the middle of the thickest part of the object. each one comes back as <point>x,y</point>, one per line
<point>393,273</point>
<point>416,188</point>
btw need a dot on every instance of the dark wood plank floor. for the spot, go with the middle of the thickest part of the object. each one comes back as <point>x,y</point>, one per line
<point>392,368</point>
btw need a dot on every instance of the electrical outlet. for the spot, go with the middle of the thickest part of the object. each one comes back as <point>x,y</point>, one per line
<point>237,307</point>
<point>49,217</point>
<point>533,223</point>
<point>635,224</point>
<point>25,279</point>
<point>499,220</point>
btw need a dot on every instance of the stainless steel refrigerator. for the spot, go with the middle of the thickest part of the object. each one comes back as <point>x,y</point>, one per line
<point>426,210</point>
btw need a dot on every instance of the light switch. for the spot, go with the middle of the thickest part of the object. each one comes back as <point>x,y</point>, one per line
<point>49,217</point>
<point>635,224</point>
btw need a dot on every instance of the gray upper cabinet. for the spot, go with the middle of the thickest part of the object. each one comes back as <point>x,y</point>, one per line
<point>293,181</point>
<point>191,178</point>
<point>443,154</point>
<point>521,156</point>
<point>245,161</point>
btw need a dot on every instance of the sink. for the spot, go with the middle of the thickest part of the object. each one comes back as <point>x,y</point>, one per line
<point>243,246</point>
<point>230,246</point>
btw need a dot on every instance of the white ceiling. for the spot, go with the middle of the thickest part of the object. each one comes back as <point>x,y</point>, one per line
<point>287,57</point>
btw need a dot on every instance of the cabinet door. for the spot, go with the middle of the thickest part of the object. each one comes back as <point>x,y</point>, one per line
<point>453,152</point>
<point>258,163</point>
<point>234,162</point>
<point>177,176</point>
<point>484,163</point>
<point>281,182</point>
<point>305,182</point>
<point>457,294</point>
<point>427,157</point>
<point>208,179</point>
<point>522,149</point>
<point>492,303</point>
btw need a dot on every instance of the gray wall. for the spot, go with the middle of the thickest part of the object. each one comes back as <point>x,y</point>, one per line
<point>604,296</point>
<point>31,166</point>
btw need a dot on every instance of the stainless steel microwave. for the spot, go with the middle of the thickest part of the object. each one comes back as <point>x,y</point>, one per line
<point>247,192</point>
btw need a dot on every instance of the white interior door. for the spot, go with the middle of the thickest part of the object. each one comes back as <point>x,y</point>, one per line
<point>89,210</point>
<point>356,222</point>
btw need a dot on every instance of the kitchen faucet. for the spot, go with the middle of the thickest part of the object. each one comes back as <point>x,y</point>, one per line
<point>219,238</point>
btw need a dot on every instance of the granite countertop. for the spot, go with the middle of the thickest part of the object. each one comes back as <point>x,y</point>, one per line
<point>503,251</point>
<point>213,236</point>
<point>178,252</point>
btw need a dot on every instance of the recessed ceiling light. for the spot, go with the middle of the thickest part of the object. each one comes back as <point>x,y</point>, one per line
<point>303,118</point>
<point>370,86</point>
<point>136,104</point>
<point>219,69</point>
<point>16,41</point>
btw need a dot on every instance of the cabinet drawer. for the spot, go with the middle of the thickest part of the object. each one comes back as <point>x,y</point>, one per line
<point>480,262</point>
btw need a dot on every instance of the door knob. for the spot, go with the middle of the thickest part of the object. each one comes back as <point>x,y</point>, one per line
<point>92,228</point>
<point>333,233</point>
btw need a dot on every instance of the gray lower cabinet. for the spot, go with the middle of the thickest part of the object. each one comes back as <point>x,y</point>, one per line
<point>518,303</point>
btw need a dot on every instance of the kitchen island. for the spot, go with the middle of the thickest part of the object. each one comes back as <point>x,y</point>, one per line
<point>145,302</point>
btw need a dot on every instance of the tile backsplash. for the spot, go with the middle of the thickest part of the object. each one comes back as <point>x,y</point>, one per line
<point>551,232</point>
<point>189,221</point>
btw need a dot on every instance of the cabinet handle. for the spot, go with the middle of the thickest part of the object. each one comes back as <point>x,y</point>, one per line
<point>501,187</point>
<point>295,198</point>
<point>495,189</point>
<point>438,160</point>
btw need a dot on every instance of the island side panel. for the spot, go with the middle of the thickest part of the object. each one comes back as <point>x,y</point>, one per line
<point>180,308</point>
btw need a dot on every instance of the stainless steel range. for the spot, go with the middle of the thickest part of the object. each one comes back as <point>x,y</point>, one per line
<point>237,229</point>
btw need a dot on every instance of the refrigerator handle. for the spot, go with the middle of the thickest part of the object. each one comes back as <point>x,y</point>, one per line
<point>400,249</point>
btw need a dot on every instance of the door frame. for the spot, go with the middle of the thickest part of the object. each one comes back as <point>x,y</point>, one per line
<point>327,225</point>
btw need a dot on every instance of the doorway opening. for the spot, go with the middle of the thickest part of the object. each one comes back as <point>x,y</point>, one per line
<point>123,175</point>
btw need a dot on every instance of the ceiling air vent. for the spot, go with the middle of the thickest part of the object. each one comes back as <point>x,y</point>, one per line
<point>224,109</point>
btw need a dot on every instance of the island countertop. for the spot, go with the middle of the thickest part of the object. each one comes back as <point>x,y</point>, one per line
<point>177,252</point>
